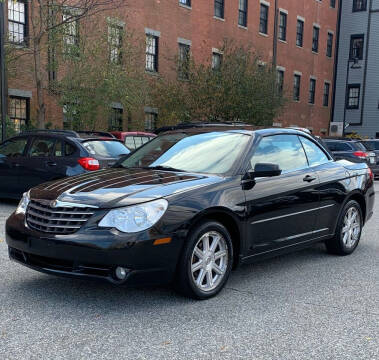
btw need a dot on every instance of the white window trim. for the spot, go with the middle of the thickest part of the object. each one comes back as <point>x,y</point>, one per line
<point>317,25</point>
<point>184,41</point>
<point>313,77</point>
<point>300,18</point>
<point>264,2</point>
<point>281,68</point>
<point>283,11</point>
<point>217,51</point>
<point>331,32</point>
<point>152,32</point>
<point>298,73</point>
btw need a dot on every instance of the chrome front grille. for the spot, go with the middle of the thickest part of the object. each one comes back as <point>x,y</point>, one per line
<point>42,216</point>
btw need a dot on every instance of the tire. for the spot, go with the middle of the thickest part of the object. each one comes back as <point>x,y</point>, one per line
<point>348,231</point>
<point>201,273</point>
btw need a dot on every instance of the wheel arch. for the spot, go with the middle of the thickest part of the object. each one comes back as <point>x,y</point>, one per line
<point>227,219</point>
<point>360,199</point>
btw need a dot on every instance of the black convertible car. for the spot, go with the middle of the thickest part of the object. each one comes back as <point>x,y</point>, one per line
<point>190,205</point>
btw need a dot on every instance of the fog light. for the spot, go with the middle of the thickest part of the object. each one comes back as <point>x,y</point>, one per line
<point>120,273</point>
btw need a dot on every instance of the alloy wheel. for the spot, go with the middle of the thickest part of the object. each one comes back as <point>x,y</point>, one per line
<point>351,227</point>
<point>209,261</point>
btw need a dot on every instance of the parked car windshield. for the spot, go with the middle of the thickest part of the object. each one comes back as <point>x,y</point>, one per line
<point>134,142</point>
<point>213,153</point>
<point>106,148</point>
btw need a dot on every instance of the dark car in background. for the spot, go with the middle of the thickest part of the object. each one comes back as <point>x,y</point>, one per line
<point>38,156</point>
<point>372,145</point>
<point>133,139</point>
<point>190,205</point>
<point>352,150</point>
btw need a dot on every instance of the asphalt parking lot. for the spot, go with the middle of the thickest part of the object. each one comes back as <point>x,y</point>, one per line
<point>307,305</point>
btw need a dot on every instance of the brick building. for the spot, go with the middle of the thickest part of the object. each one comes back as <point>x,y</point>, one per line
<point>303,49</point>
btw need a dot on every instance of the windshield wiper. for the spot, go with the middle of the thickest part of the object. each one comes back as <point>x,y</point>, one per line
<point>163,167</point>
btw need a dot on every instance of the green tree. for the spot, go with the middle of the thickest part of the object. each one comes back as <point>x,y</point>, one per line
<point>53,21</point>
<point>237,87</point>
<point>107,70</point>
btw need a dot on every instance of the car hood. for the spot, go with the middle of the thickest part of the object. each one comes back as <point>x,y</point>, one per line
<point>121,187</point>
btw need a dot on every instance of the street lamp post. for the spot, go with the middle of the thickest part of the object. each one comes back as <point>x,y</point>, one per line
<point>2,70</point>
<point>354,65</point>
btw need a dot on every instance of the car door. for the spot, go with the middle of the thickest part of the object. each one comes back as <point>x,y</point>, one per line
<point>40,162</point>
<point>12,153</point>
<point>331,188</point>
<point>281,210</point>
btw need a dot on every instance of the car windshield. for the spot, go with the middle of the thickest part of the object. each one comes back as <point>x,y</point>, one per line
<point>212,153</point>
<point>134,142</point>
<point>106,148</point>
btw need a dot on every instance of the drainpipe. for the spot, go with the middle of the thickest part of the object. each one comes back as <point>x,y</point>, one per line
<point>340,3</point>
<point>275,37</point>
<point>366,60</point>
<point>2,71</point>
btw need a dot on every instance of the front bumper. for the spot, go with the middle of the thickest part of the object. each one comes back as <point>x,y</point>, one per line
<point>95,253</point>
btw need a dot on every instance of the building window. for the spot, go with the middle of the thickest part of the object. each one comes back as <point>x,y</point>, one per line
<point>115,119</point>
<point>263,19</point>
<point>333,3</point>
<point>216,61</point>
<point>19,112</point>
<point>280,81</point>
<point>353,92</point>
<point>150,121</point>
<point>184,59</point>
<point>325,99</point>
<point>315,37</point>
<point>17,22</point>
<point>359,5</point>
<point>242,12</point>
<point>219,8</point>
<point>299,33</point>
<point>312,91</point>
<point>152,53</point>
<point>115,35</point>
<point>70,33</point>
<point>296,87</point>
<point>71,118</point>
<point>185,2</point>
<point>356,47</point>
<point>282,26</point>
<point>329,45</point>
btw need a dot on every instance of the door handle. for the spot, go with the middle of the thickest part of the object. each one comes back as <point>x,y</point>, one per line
<point>16,165</point>
<point>51,163</point>
<point>309,178</point>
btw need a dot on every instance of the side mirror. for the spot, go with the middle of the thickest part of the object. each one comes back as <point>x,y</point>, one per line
<point>266,170</point>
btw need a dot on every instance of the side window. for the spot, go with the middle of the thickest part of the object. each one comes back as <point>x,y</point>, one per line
<point>13,148</point>
<point>341,146</point>
<point>283,150</point>
<point>315,154</point>
<point>69,149</point>
<point>42,147</point>
<point>58,150</point>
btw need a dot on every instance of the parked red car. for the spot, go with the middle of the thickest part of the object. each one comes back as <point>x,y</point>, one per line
<point>133,140</point>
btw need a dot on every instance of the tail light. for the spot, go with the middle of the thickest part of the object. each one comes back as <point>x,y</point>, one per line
<point>361,154</point>
<point>371,174</point>
<point>88,163</point>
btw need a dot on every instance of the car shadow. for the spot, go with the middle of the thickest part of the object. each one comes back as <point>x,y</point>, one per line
<point>43,290</point>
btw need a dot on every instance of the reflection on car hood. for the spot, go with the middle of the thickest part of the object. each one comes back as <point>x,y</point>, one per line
<point>118,187</point>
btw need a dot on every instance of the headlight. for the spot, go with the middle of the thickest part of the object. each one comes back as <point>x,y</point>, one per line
<point>135,218</point>
<point>23,204</point>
